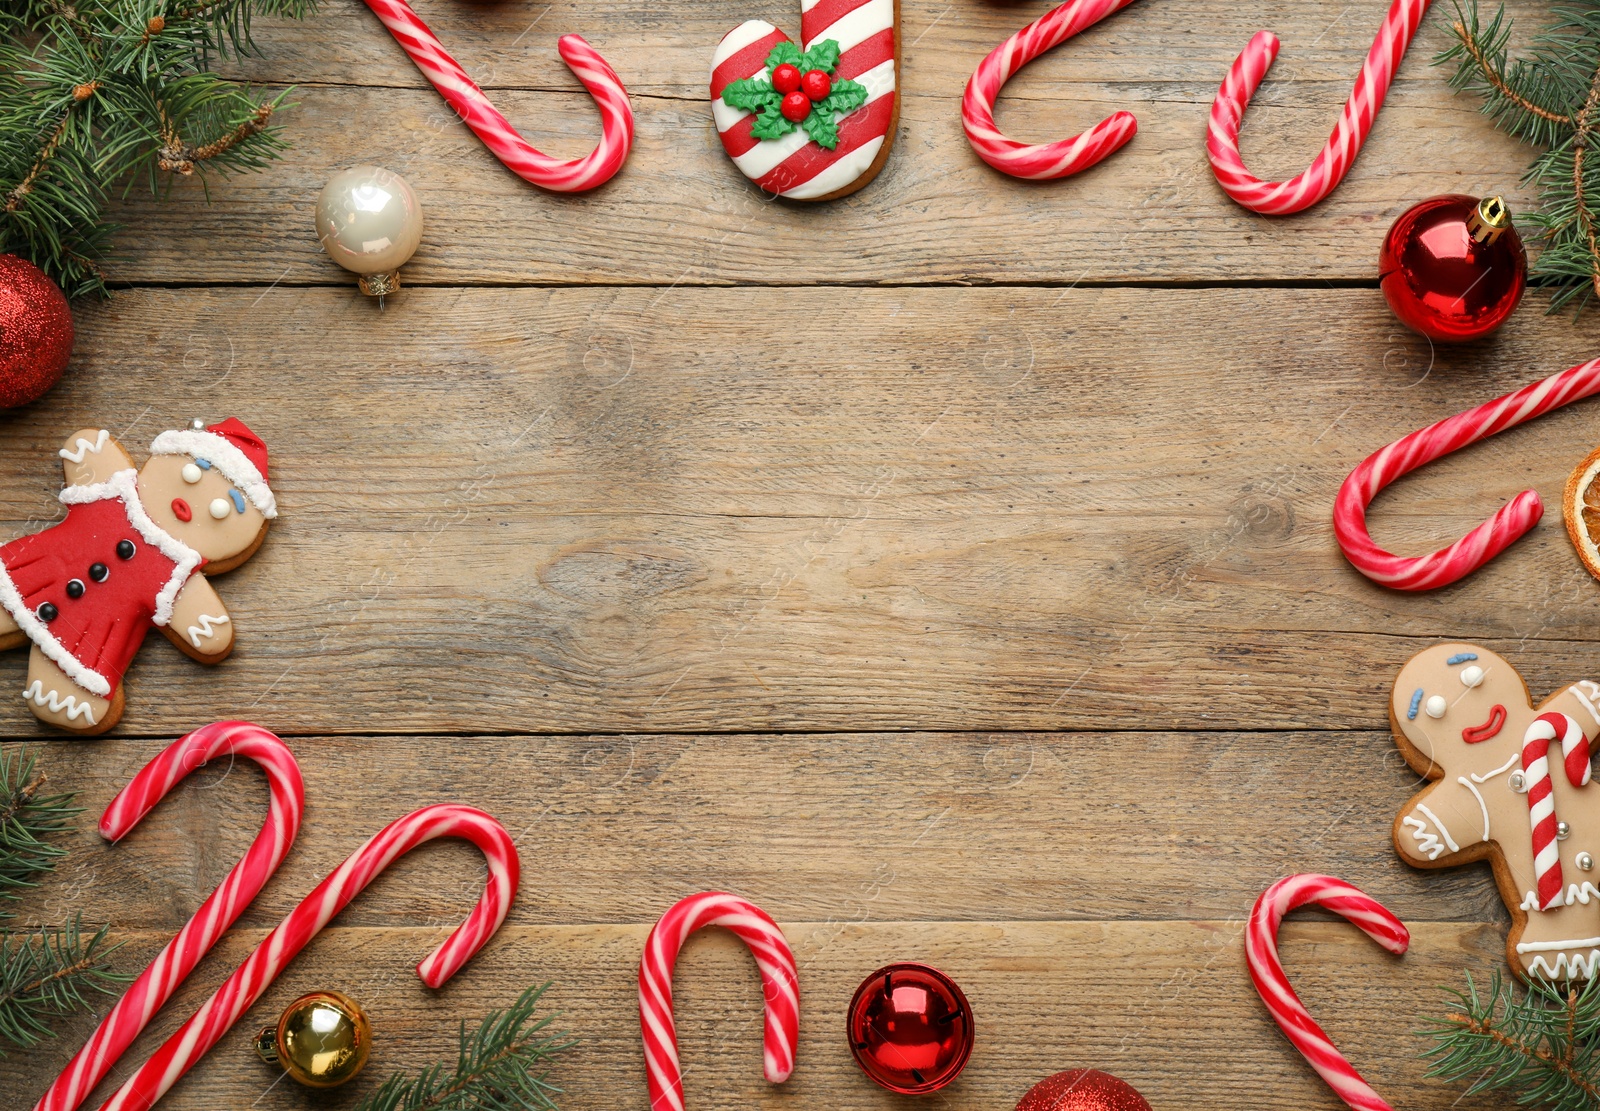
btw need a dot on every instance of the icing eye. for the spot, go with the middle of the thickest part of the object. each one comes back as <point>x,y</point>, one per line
<point>219,508</point>
<point>1471,676</point>
<point>205,465</point>
<point>192,473</point>
<point>238,500</point>
<point>1416,704</point>
<point>1437,706</point>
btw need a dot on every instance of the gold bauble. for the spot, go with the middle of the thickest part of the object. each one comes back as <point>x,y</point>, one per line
<point>321,1040</point>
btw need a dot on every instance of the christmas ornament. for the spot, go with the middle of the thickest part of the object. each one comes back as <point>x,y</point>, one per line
<point>910,1028</point>
<point>150,992</point>
<point>321,1040</point>
<point>194,1039</point>
<point>1279,198</point>
<point>1261,951</point>
<point>1082,1090</point>
<point>515,152</point>
<point>837,138</point>
<point>370,222</point>
<point>780,988</point>
<point>1453,267</point>
<point>131,555</point>
<point>1046,160</point>
<point>35,332</point>
<point>1405,455</point>
<point>1580,508</point>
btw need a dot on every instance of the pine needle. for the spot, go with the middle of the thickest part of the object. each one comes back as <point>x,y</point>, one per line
<point>27,816</point>
<point>503,1065</point>
<point>46,974</point>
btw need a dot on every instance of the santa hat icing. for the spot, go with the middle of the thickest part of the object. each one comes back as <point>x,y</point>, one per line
<point>231,448</point>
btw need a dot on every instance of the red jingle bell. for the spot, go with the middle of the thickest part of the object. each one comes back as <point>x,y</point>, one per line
<point>910,1028</point>
<point>1083,1090</point>
<point>1453,267</point>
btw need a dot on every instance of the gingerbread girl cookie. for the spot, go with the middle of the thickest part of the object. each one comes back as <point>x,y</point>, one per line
<point>1510,785</point>
<point>133,552</point>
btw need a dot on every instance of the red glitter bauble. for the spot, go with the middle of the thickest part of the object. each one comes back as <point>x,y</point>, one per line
<point>35,332</point>
<point>1082,1090</point>
<point>910,1028</point>
<point>1453,267</point>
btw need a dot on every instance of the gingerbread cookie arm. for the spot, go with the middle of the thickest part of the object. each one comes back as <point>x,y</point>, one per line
<point>200,624</point>
<point>90,455</point>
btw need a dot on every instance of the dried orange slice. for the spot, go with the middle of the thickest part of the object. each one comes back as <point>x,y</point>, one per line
<point>1581,508</point>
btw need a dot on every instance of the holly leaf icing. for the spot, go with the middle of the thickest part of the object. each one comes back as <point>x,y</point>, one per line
<point>751,94</point>
<point>822,128</point>
<point>822,55</point>
<point>772,125</point>
<point>823,122</point>
<point>787,53</point>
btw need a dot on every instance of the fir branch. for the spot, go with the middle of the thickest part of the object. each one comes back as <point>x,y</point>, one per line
<point>49,974</point>
<point>27,816</point>
<point>502,1065</point>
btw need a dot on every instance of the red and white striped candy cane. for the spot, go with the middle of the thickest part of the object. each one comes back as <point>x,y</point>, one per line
<point>1542,732</point>
<point>1043,161</point>
<point>486,122</point>
<point>1279,198</point>
<point>1405,455</point>
<point>780,987</point>
<point>1261,951</point>
<point>174,963</point>
<point>216,1017</point>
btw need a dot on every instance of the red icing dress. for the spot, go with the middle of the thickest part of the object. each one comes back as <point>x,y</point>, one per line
<point>88,589</point>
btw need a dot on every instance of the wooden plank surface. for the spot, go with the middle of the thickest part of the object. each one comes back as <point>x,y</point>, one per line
<point>711,542</point>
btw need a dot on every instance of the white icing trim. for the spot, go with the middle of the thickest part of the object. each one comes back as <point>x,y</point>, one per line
<point>56,702</point>
<point>1568,965</point>
<point>1576,894</point>
<point>1502,768</point>
<point>748,32</point>
<point>85,447</point>
<point>1530,901</point>
<point>1448,840</point>
<point>54,650</point>
<point>1587,699</point>
<point>204,630</point>
<point>857,26</point>
<point>223,455</point>
<point>125,485</point>
<point>1551,946</point>
<point>1426,842</point>
<point>1467,783</point>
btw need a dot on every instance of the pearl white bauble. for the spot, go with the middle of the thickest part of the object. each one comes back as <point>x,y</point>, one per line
<point>370,222</point>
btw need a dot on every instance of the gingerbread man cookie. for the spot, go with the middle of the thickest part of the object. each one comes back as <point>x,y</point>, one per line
<point>1510,785</point>
<point>134,551</point>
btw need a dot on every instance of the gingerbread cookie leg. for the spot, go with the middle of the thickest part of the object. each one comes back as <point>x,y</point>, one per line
<point>11,636</point>
<point>56,699</point>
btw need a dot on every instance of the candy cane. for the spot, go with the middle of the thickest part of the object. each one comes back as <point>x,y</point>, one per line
<point>519,156</point>
<point>1405,455</point>
<point>1046,160</point>
<point>780,986</point>
<point>174,963</point>
<point>1542,732</point>
<point>216,1017</point>
<point>1261,950</point>
<point>1279,198</point>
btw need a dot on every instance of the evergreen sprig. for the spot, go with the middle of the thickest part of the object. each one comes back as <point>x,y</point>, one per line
<point>27,817</point>
<point>98,94</point>
<point>503,1065</point>
<point>47,974</point>
<point>1539,1045</point>
<point>1551,99</point>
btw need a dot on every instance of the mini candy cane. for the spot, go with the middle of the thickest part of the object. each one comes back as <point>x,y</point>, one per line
<point>780,986</point>
<point>216,1017</point>
<point>1405,455</point>
<point>1046,160</point>
<point>519,156</point>
<point>1261,950</point>
<point>1279,198</point>
<point>1542,732</point>
<point>157,983</point>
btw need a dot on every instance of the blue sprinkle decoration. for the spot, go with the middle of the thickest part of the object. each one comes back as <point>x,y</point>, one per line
<point>238,500</point>
<point>203,464</point>
<point>1416,703</point>
<point>1461,658</point>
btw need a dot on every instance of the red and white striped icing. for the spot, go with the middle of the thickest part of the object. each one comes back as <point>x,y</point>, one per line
<point>1545,730</point>
<point>794,166</point>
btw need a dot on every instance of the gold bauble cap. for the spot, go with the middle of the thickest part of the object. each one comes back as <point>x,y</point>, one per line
<point>1489,220</point>
<point>322,1040</point>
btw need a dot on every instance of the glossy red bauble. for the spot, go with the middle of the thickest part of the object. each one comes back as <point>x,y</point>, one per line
<point>786,78</point>
<point>35,332</point>
<point>1453,267</point>
<point>816,84</point>
<point>795,107</point>
<point>910,1028</point>
<point>1082,1090</point>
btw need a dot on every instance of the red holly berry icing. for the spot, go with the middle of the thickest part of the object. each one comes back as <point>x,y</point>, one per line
<point>796,106</point>
<point>816,85</point>
<point>786,79</point>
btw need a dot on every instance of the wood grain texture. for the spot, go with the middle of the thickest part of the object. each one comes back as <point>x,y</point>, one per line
<point>680,213</point>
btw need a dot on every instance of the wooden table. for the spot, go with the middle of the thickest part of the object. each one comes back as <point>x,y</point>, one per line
<point>948,569</point>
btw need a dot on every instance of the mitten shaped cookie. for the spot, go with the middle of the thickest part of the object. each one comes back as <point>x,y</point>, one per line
<point>1510,785</point>
<point>134,552</point>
